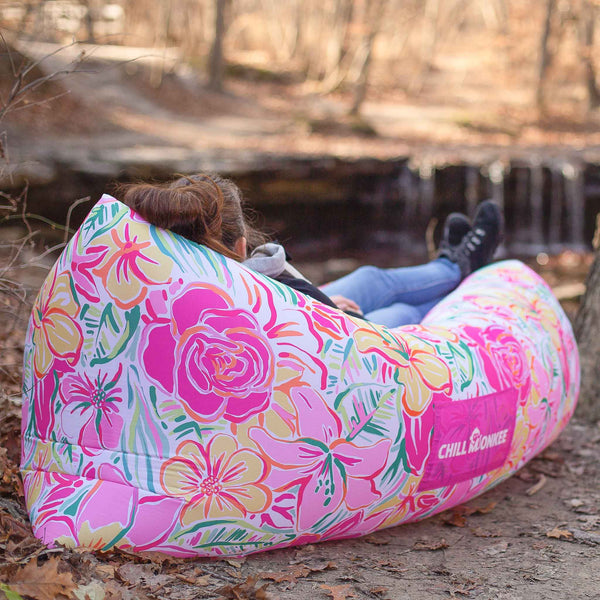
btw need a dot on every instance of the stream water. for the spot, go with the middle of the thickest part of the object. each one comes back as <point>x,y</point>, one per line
<point>385,212</point>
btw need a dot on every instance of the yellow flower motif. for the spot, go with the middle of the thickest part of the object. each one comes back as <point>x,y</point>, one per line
<point>216,480</point>
<point>56,334</point>
<point>132,262</point>
<point>96,539</point>
<point>33,476</point>
<point>423,371</point>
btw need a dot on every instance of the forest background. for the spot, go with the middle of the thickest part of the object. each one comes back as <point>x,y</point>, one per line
<point>304,78</point>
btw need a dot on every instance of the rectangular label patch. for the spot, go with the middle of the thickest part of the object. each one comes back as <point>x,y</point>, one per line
<point>470,438</point>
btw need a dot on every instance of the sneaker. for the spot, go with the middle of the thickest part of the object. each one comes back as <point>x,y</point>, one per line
<point>478,245</point>
<point>456,226</point>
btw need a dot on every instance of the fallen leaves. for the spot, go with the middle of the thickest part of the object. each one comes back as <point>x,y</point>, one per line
<point>9,475</point>
<point>290,576</point>
<point>457,517</point>
<point>498,548</point>
<point>339,592</point>
<point>377,540</point>
<point>559,534</point>
<point>245,591</point>
<point>378,591</point>
<point>42,581</point>
<point>421,545</point>
<point>297,572</point>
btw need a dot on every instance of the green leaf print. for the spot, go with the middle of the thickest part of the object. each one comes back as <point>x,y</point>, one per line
<point>113,331</point>
<point>460,355</point>
<point>102,218</point>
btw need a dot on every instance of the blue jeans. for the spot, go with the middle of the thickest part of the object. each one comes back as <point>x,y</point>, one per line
<point>399,296</point>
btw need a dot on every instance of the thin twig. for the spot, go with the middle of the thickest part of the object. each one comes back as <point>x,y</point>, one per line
<point>70,212</point>
<point>46,252</point>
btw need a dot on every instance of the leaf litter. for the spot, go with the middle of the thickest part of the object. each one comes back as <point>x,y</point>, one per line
<point>380,565</point>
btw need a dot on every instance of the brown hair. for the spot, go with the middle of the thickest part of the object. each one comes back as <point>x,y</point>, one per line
<point>206,209</point>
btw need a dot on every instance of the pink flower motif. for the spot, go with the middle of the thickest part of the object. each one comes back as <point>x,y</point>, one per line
<point>109,511</point>
<point>82,266</point>
<point>44,407</point>
<point>504,359</point>
<point>91,412</point>
<point>211,356</point>
<point>329,469</point>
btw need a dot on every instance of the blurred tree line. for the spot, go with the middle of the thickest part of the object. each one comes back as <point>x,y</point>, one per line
<point>333,44</point>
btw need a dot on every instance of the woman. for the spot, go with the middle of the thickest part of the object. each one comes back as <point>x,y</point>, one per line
<point>207,209</point>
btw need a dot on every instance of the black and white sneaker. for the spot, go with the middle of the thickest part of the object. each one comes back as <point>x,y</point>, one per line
<point>479,244</point>
<point>456,226</point>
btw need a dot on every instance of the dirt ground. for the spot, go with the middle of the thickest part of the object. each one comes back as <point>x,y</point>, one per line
<point>535,536</point>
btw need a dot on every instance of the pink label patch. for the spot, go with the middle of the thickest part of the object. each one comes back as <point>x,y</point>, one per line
<point>470,438</point>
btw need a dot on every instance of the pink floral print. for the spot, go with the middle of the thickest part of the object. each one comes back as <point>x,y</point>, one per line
<point>174,401</point>
<point>213,357</point>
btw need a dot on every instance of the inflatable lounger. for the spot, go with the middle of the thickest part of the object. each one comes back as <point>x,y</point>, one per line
<point>175,401</point>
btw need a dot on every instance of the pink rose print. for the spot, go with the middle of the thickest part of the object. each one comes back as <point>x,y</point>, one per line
<point>91,411</point>
<point>211,356</point>
<point>507,365</point>
<point>329,469</point>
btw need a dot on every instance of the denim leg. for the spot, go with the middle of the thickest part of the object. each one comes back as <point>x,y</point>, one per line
<point>395,315</point>
<point>400,314</point>
<point>373,288</point>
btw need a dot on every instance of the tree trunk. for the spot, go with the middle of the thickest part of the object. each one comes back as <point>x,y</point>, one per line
<point>92,15</point>
<point>360,91</point>
<point>588,23</point>
<point>587,331</point>
<point>545,57</point>
<point>216,63</point>
<point>373,17</point>
<point>347,12</point>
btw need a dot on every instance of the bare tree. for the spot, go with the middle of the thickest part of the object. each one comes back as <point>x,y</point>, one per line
<point>587,331</point>
<point>373,18</point>
<point>26,85</point>
<point>587,26</point>
<point>545,57</point>
<point>216,61</point>
<point>91,18</point>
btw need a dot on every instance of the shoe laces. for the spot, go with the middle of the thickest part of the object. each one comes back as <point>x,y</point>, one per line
<point>474,239</point>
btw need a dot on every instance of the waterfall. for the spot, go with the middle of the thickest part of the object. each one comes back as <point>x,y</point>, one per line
<point>520,208</point>
<point>536,202</point>
<point>555,217</point>
<point>426,190</point>
<point>575,205</point>
<point>471,188</point>
<point>496,174</point>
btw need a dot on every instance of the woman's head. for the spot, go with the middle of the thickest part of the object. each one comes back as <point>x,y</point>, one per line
<point>206,209</point>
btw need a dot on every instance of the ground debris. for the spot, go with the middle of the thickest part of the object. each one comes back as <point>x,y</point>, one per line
<point>339,592</point>
<point>534,489</point>
<point>296,572</point>
<point>457,517</point>
<point>559,534</point>
<point>42,581</point>
<point>431,545</point>
<point>588,537</point>
<point>245,591</point>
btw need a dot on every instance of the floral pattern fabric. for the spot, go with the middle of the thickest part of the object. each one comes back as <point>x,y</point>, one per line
<point>175,401</point>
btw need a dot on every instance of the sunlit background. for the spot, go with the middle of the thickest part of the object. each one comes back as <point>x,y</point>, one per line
<point>353,126</point>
